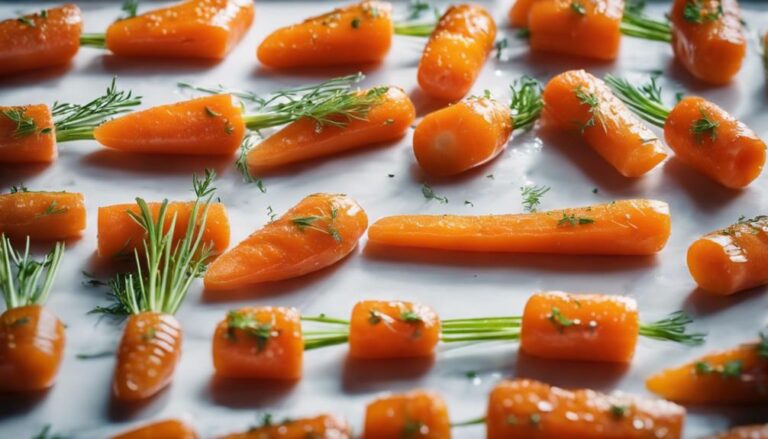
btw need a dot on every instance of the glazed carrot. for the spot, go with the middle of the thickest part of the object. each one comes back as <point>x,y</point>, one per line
<point>31,337</point>
<point>43,39</point>
<point>321,427</point>
<point>417,414</point>
<point>518,13</point>
<point>627,227</point>
<point>264,343</point>
<point>732,259</point>
<point>456,52</point>
<point>531,409</point>
<point>392,329</point>
<point>119,235</point>
<point>35,145</point>
<point>744,432</point>
<point>576,100</point>
<point>41,216</point>
<point>318,232</point>
<point>168,429</point>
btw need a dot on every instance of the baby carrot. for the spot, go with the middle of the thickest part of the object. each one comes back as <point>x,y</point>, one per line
<point>416,414</point>
<point>518,12</point>
<point>756,431</point>
<point>627,227</point>
<point>26,134</point>
<point>316,233</point>
<point>320,427</point>
<point>168,429</point>
<point>41,216</point>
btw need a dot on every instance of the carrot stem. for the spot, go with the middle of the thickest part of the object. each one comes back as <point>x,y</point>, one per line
<point>636,24</point>
<point>526,102</point>
<point>23,288</point>
<point>644,100</point>
<point>97,40</point>
<point>672,328</point>
<point>414,29</point>
<point>476,421</point>
<point>324,319</point>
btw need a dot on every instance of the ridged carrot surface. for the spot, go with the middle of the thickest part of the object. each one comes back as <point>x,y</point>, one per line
<point>168,429</point>
<point>353,35</point>
<point>528,409</point>
<point>119,235</point>
<point>36,147</point>
<point>206,29</point>
<point>304,140</point>
<point>43,216</point>
<point>518,12</point>
<point>38,41</point>
<point>147,355</point>
<point>210,125</point>
<point>576,100</point>
<point>392,329</point>
<point>744,432</point>
<point>263,343</point>
<point>628,227</point>
<point>707,138</point>
<point>31,348</point>
<point>320,427</point>
<point>713,46</point>
<point>456,52</point>
<point>319,231</point>
<point>417,414</point>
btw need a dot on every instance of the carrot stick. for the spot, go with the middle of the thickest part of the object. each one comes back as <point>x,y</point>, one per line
<point>170,429</point>
<point>322,426</point>
<point>757,431</point>
<point>41,216</point>
<point>413,414</point>
<point>392,329</point>
<point>26,135</point>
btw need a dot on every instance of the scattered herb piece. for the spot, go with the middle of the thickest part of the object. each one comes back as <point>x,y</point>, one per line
<point>573,220</point>
<point>469,203</point>
<point>241,164</point>
<point>532,196</point>
<point>705,125</point>
<point>430,194</point>
<point>499,46</point>
<point>578,8</point>
<point>410,316</point>
<point>619,411</point>
<point>593,102</point>
<point>25,125</point>
<point>559,320</point>
<point>374,318</point>
<point>356,23</point>
<point>52,209</point>
<point>262,332</point>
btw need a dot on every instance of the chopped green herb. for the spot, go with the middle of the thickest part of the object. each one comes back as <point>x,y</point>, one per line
<point>44,13</point>
<point>732,369</point>
<point>374,318</point>
<point>573,220</point>
<point>499,46</point>
<point>308,222</point>
<point>490,176</point>
<point>52,209</point>
<point>356,23</point>
<point>593,102</point>
<point>149,334</point>
<point>471,374</point>
<point>130,7</point>
<point>595,191</point>
<point>705,125</point>
<point>694,13</point>
<point>25,125</point>
<point>469,203</point>
<point>532,196</point>
<point>559,320</point>
<point>619,411</point>
<point>241,164</point>
<point>523,33</point>
<point>271,214</point>
<point>211,113</point>
<point>262,332</point>
<point>535,419</point>
<point>410,316</point>
<point>20,321</point>
<point>578,8</point>
<point>412,429</point>
<point>703,368</point>
<point>19,188</point>
<point>26,21</point>
<point>430,194</point>
<point>391,175</point>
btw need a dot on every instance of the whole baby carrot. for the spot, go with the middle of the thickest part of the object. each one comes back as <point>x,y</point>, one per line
<point>167,429</point>
<point>41,216</point>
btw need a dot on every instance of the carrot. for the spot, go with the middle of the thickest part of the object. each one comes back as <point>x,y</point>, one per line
<point>34,145</point>
<point>456,52</point>
<point>416,414</point>
<point>732,259</point>
<point>530,409</point>
<point>44,39</point>
<point>518,12</point>
<point>31,337</point>
<point>321,427</point>
<point>168,429</point>
<point>392,329</point>
<point>576,100</point>
<point>756,431</point>
<point>41,216</point>
<point>701,134</point>
<point>264,343</point>
<point>319,231</point>
<point>628,227</point>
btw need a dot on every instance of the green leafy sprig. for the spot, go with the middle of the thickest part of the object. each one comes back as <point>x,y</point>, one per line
<point>23,280</point>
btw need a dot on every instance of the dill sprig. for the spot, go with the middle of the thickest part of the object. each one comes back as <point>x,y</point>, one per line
<point>645,100</point>
<point>430,194</point>
<point>673,328</point>
<point>636,24</point>
<point>25,125</point>
<point>574,220</point>
<point>130,7</point>
<point>47,433</point>
<point>261,332</point>
<point>693,12</point>
<point>414,24</point>
<point>21,276</point>
<point>526,102</point>
<point>532,196</point>
<point>592,101</point>
<point>311,222</point>
<point>704,125</point>
<point>241,164</point>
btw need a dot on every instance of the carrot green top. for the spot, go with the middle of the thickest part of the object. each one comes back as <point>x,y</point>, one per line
<point>20,276</point>
<point>526,102</point>
<point>644,100</point>
<point>636,24</point>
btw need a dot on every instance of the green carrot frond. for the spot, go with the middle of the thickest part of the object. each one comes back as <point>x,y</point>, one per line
<point>261,332</point>
<point>703,126</point>
<point>25,125</point>
<point>532,196</point>
<point>130,7</point>
<point>23,280</point>
<point>673,328</point>
<point>96,40</point>
<point>644,100</point>
<point>526,102</point>
<point>635,23</point>
<point>241,164</point>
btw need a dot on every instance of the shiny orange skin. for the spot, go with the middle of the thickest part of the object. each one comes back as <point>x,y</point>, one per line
<point>555,27</point>
<point>282,250</point>
<point>417,414</point>
<point>147,355</point>
<point>744,432</point>
<point>211,125</point>
<point>604,328</point>
<point>377,329</point>
<point>53,41</point>
<point>320,427</point>
<point>168,429</point>
<point>734,158</point>
<point>712,51</point>
<point>119,235</point>
<point>519,11</point>
<point>456,52</point>
<point>353,35</point>
<point>462,136</point>
<point>43,216</point>
<point>206,29</point>
<point>617,134</point>
<point>31,348</point>
<point>628,227</point>
<point>302,140</point>
<point>515,410</point>
<point>238,354</point>
<point>37,147</point>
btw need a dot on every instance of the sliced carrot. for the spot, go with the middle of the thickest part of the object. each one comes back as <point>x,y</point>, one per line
<point>744,432</point>
<point>576,100</point>
<point>456,52</point>
<point>119,235</point>
<point>264,343</point>
<point>356,34</point>
<point>392,329</point>
<point>36,147</point>
<point>528,409</point>
<point>319,231</point>
<point>210,125</point>
<point>44,39</point>
<point>321,427</point>
<point>712,45</point>
<point>45,216</point>
<point>168,429</point>
<point>304,139</point>
<point>417,414</point>
<point>518,13</point>
<point>628,227</point>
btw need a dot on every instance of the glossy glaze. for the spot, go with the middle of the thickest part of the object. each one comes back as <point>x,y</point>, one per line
<point>320,427</point>
<point>419,414</point>
<point>43,216</point>
<point>392,329</point>
<point>168,429</point>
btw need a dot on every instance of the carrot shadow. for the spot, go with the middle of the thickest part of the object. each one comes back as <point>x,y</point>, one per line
<point>707,194</point>
<point>424,103</point>
<point>554,62</point>
<point>34,76</point>
<point>245,393</point>
<point>581,374</point>
<point>364,376</point>
<point>118,411</point>
<point>144,66</point>
<point>155,164</point>
<point>20,403</point>
<point>313,73</point>
<point>15,174</point>
<point>701,303</point>
<point>418,175</point>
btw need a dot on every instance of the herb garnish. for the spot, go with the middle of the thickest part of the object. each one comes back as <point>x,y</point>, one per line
<point>52,209</point>
<point>241,164</point>
<point>593,102</point>
<point>532,196</point>
<point>578,8</point>
<point>573,220</point>
<point>262,332</point>
<point>559,320</point>
<point>706,124</point>
<point>308,222</point>
<point>25,125</point>
<point>430,194</point>
<point>693,12</point>
<point>410,316</point>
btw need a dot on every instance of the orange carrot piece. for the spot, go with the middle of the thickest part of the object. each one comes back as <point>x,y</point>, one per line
<point>744,432</point>
<point>392,329</point>
<point>119,235</point>
<point>210,125</point>
<point>628,227</point>
<point>518,13</point>
<point>528,409</point>
<point>36,147</point>
<point>304,140</point>
<point>415,414</point>
<point>321,427</point>
<point>456,52</point>
<point>168,429</point>
<point>316,233</point>
<point>264,343</point>
<point>353,35</point>
<point>207,29</point>
<point>44,216</point>
<point>713,46</point>
<point>576,100</point>
<point>36,41</point>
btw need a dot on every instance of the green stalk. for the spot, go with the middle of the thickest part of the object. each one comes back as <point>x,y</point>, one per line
<point>644,100</point>
<point>323,319</point>
<point>482,336</point>
<point>672,328</point>
<point>97,40</point>
<point>414,29</point>
<point>467,423</point>
<point>526,102</point>
<point>321,342</point>
<point>20,275</point>
<point>635,24</point>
